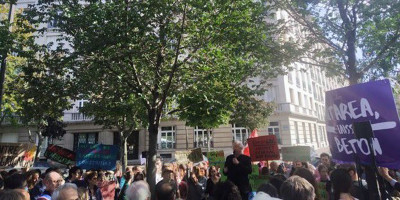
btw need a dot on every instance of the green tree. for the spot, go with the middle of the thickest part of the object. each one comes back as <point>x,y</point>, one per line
<point>363,36</point>
<point>150,51</point>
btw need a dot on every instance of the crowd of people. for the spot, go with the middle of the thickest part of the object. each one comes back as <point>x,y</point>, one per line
<point>198,181</point>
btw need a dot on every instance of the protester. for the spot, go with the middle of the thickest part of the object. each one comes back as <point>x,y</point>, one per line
<point>306,174</point>
<point>32,178</point>
<point>237,168</point>
<point>213,179</point>
<point>384,172</point>
<point>326,160</point>
<point>266,190</point>
<point>68,191</point>
<point>51,181</point>
<point>197,184</point>
<point>166,190</point>
<point>323,173</point>
<point>91,183</point>
<point>39,188</point>
<point>11,195</point>
<point>273,168</point>
<point>341,183</point>
<point>227,191</point>
<point>356,190</point>
<point>24,192</point>
<point>138,190</point>
<point>277,182</point>
<point>74,174</point>
<point>16,181</point>
<point>296,187</point>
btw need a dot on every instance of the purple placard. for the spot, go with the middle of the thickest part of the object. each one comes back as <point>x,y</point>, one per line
<point>372,101</point>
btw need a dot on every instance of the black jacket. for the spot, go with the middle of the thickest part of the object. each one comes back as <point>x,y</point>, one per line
<point>238,174</point>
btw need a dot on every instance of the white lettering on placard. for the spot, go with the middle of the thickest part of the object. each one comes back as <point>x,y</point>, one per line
<point>357,145</point>
<point>350,110</point>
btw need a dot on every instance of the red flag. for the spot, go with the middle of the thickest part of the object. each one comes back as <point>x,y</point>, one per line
<point>246,150</point>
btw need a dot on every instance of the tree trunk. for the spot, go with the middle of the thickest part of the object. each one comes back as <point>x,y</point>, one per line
<point>152,153</point>
<point>123,155</point>
<point>208,140</point>
<point>40,141</point>
<point>187,138</point>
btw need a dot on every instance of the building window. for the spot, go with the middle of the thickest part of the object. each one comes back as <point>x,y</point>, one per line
<point>201,138</point>
<point>240,133</point>
<point>321,137</point>
<point>167,138</point>
<point>296,129</point>
<point>300,103</point>
<point>291,95</point>
<point>273,129</point>
<point>55,21</point>
<point>85,138</point>
<point>305,133</point>
<point>290,78</point>
<point>310,129</point>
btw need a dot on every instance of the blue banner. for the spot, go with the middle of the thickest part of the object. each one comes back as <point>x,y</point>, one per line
<point>97,156</point>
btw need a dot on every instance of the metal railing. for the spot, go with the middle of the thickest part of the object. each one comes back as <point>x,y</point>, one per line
<point>73,117</point>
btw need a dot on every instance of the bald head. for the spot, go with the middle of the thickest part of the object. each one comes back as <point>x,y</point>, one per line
<point>52,181</point>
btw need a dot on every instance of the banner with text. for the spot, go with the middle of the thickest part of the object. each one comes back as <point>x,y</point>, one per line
<point>296,153</point>
<point>374,102</point>
<point>60,154</point>
<point>97,156</point>
<point>263,148</point>
<point>17,154</point>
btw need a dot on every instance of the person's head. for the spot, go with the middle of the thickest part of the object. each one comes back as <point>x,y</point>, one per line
<point>325,159</point>
<point>138,190</point>
<point>75,173</point>
<point>296,187</point>
<point>13,171</point>
<point>323,172</point>
<point>273,166</point>
<point>341,182</point>
<point>91,178</point>
<point>198,171</point>
<point>297,164</point>
<point>68,191</point>
<point>351,169</point>
<point>264,171</point>
<point>166,191</point>
<point>139,176</point>
<point>269,189</point>
<point>227,191</point>
<point>15,181</point>
<point>277,181</point>
<point>182,170</point>
<point>52,181</point>
<point>167,172</point>
<point>32,178</point>
<point>306,174</point>
<point>212,171</point>
<point>237,147</point>
<point>159,165</point>
<point>11,195</point>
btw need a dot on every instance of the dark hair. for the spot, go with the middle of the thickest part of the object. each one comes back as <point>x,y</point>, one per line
<point>341,182</point>
<point>11,195</point>
<point>269,189</point>
<point>320,167</point>
<point>165,191</point>
<point>280,169</point>
<point>324,155</point>
<point>15,181</point>
<point>73,170</point>
<point>138,177</point>
<point>277,181</point>
<point>227,191</point>
<point>296,187</point>
<point>29,178</point>
<point>90,175</point>
<point>306,174</point>
<point>13,171</point>
<point>264,171</point>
